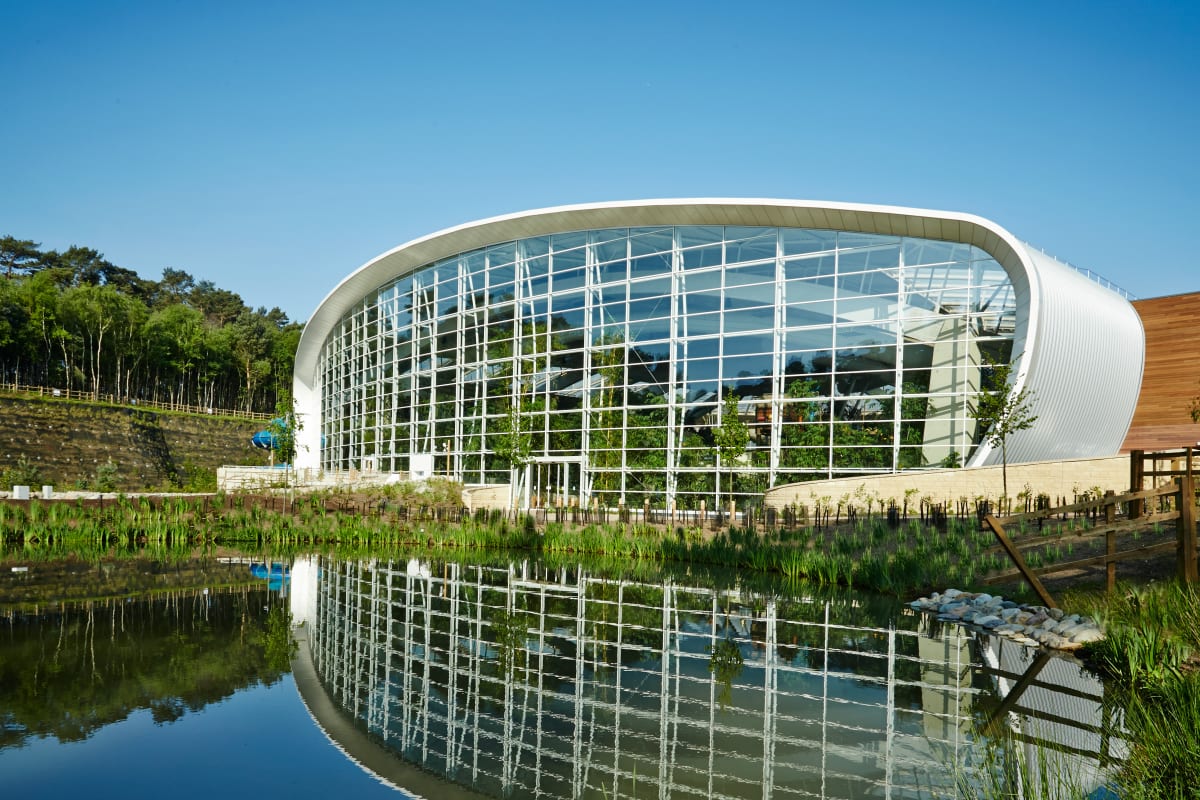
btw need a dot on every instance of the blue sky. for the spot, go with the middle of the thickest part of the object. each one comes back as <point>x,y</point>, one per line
<point>273,147</point>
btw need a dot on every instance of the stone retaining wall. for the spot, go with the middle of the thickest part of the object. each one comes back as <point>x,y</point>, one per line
<point>240,479</point>
<point>1055,478</point>
<point>493,495</point>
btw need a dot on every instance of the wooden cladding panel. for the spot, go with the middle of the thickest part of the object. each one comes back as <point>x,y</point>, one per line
<point>1171,376</point>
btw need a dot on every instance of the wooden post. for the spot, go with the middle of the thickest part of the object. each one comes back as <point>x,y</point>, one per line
<point>1137,480</point>
<point>1110,541</point>
<point>1186,526</point>
<point>1019,561</point>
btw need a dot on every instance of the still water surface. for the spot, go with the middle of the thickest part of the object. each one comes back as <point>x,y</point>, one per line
<point>510,680</point>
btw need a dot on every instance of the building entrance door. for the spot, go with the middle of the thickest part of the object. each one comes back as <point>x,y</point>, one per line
<point>554,482</point>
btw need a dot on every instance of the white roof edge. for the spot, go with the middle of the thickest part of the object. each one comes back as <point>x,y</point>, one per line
<point>376,271</point>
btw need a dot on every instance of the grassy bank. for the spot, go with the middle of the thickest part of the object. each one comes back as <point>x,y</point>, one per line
<point>867,553</point>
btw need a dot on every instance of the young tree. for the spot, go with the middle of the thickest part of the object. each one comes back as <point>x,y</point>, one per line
<point>513,442</point>
<point>1003,412</point>
<point>284,427</point>
<point>730,438</point>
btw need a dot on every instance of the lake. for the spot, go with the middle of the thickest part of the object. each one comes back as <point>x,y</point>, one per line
<point>510,678</point>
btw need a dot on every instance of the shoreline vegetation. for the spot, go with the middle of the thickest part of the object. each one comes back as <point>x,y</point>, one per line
<point>1150,652</point>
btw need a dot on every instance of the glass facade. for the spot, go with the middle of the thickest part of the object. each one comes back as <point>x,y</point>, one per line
<point>598,361</point>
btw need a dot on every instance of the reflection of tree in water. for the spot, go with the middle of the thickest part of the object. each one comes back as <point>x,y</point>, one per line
<point>510,643</point>
<point>725,662</point>
<point>280,646</point>
<point>69,673</point>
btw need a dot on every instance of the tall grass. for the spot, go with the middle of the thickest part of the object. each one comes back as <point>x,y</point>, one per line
<point>867,554</point>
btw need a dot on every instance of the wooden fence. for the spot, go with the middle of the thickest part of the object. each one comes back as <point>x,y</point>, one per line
<point>1132,515</point>
<point>75,394</point>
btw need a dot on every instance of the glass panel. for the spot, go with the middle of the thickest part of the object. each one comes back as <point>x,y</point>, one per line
<point>539,265</point>
<point>650,265</point>
<point>693,235</point>
<point>702,369</point>
<point>644,241</point>
<point>536,246</point>
<point>574,279</point>
<point>749,244</point>
<point>611,251</point>
<point>498,254</point>
<point>818,338</point>
<point>613,272</point>
<point>873,258</point>
<point>804,240</point>
<point>859,359</point>
<point>753,344</point>
<point>809,267</point>
<point>925,251</point>
<point>807,314</point>
<point>750,367</point>
<point>606,235</point>
<point>701,324</point>
<point>702,257</point>
<point>651,329</point>
<point>864,336</point>
<point>746,296</point>
<point>567,241</point>
<point>751,273</point>
<point>566,301</point>
<point>700,348</point>
<point>867,309</point>
<point>500,276</point>
<point>539,286</point>
<point>573,259</point>
<point>707,281</point>
<point>801,385</point>
<point>650,308</point>
<point>655,288</point>
<point>849,239</point>
<point>748,320</point>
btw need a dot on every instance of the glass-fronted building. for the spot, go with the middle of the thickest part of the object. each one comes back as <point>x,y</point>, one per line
<point>594,351</point>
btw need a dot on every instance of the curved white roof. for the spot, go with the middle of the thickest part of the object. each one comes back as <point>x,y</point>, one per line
<point>1082,343</point>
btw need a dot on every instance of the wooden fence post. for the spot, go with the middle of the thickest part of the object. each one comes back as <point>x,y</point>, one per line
<point>1186,527</point>
<point>1110,541</point>
<point>1137,480</point>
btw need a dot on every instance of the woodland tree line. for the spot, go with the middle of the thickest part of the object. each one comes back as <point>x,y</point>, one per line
<point>74,320</point>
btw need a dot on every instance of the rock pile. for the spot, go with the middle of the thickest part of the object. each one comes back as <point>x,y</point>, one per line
<point>1035,626</point>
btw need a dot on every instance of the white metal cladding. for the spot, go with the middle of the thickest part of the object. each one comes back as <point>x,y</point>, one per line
<point>1083,362</point>
<point>1063,319</point>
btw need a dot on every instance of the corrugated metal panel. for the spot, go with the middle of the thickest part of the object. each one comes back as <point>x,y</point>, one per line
<point>1085,362</point>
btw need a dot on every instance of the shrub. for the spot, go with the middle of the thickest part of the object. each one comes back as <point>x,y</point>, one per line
<point>22,473</point>
<point>107,477</point>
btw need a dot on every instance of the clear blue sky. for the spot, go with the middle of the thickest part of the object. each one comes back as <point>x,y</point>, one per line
<point>274,147</point>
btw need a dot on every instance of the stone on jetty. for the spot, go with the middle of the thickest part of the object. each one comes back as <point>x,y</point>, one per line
<point>1030,625</point>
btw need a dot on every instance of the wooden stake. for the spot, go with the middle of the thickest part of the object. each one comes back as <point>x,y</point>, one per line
<point>1019,561</point>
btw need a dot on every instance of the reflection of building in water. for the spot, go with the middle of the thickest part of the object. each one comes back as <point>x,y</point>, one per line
<point>1056,711</point>
<point>946,670</point>
<point>560,684</point>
